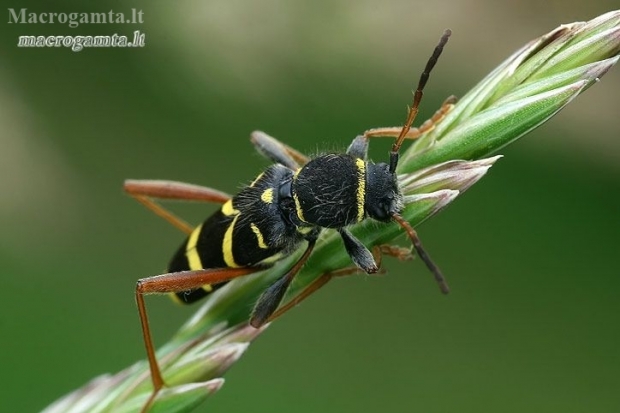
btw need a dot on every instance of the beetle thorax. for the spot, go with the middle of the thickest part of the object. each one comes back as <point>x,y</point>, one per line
<point>337,190</point>
<point>329,191</point>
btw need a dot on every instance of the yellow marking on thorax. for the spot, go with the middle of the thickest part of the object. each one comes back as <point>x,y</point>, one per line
<point>361,188</point>
<point>267,196</point>
<point>300,212</point>
<point>191,253</point>
<point>257,179</point>
<point>227,245</point>
<point>259,236</point>
<point>228,209</point>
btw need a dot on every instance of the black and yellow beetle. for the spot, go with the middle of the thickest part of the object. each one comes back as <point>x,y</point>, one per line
<point>287,205</point>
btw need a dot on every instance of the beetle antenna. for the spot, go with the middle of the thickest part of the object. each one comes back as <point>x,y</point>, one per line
<point>417,97</point>
<point>417,244</point>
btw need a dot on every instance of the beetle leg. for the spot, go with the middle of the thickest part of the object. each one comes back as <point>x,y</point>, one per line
<point>377,252</point>
<point>414,133</point>
<point>269,301</point>
<point>170,283</point>
<point>278,152</point>
<point>145,190</point>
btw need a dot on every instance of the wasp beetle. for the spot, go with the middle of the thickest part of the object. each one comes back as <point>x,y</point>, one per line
<point>286,206</point>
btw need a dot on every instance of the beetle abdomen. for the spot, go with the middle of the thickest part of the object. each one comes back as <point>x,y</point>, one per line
<point>246,231</point>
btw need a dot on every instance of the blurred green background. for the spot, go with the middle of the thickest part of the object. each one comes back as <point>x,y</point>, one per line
<point>530,252</point>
